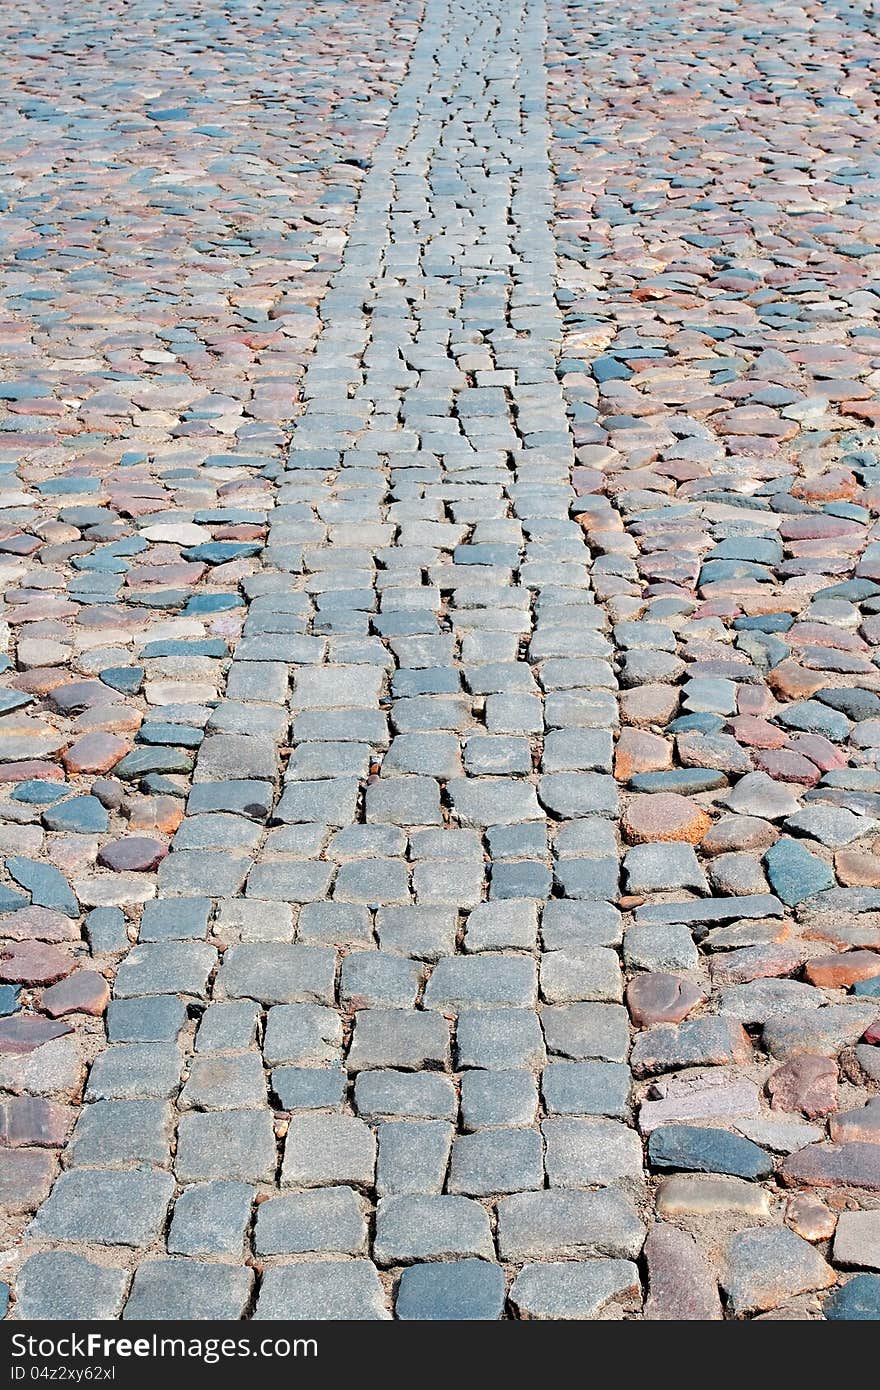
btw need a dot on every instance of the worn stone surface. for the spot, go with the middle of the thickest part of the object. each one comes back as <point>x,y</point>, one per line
<point>439,719</point>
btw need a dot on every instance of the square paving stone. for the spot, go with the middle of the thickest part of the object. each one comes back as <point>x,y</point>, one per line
<point>228,1027</point>
<point>496,926</point>
<point>326,1219</point>
<point>428,1227</point>
<point>496,1039</point>
<point>451,1291</point>
<point>278,974</point>
<point>175,919</point>
<point>334,924</point>
<point>660,948</point>
<point>496,1160</point>
<point>423,932</point>
<point>556,1224</point>
<point>291,881</point>
<point>166,1290</point>
<point>114,1133</point>
<point>404,1038</point>
<point>483,981</point>
<point>373,979</point>
<point>413,1156</point>
<point>203,872</point>
<point>857,1240</point>
<point>174,967</point>
<point>228,1081</point>
<point>156,1018</point>
<point>336,687</point>
<point>309,1034</point>
<point>319,1290</point>
<point>57,1286</point>
<point>226,1144</point>
<point>484,801</point>
<point>132,1071</point>
<point>587,1030</point>
<point>321,1150</point>
<point>211,1219</point>
<point>386,1094</point>
<point>105,1208</point>
<point>309,1088</point>
<point>591,1153</point>
<point>579,924</point>
<point>490,1098</point>
<point>591,973</point>
<point>586,1088</point>
<point>575,1289</point>
<point>330,801</point>
<point>570,795</point>
<point>26,1175</point>
<point>405,801</point>
<point>376,881</point>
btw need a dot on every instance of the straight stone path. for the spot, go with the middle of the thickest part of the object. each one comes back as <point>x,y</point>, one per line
<point>495,706</point>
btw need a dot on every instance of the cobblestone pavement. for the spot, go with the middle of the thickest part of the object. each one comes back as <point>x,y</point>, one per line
<point>441,454</point>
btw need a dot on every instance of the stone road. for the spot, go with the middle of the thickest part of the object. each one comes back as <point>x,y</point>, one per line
<point>440,731</point>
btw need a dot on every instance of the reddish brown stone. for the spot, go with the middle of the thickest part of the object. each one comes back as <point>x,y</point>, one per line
<point>33,963</point>
<point>32,767</point>
<point>733,833</point>
<point>834,1165</point>
<point>80,695</point>
<point>792,682</point>
<point>858,868</point>
<point>768,962</point>
<point>862,1124</point>
<point>38,924</point>
<point>29,1121</point>
<point>23,1033</point>
<point>95,752</point>
<point>818,750</point>
<point>162,813</point>
<point>26,1176</point>
<point>639,751</point>
<point>681,1286</point>
<point>757,733</point>
<point>809,1217</point>
<point>785,765</point>
<point>806,1084</point>
<point>83,992</point>
<point>664,816</point>
<point>844,969</point>
<point>656,997</point>
<point>134,853</point>
<point>649,704</point>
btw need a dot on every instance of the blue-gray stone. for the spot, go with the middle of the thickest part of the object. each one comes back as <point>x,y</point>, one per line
<point>47,887</point>
<point>451,1291</point>
<point>153,1018</point>
<point>8,1000</point>
<point>81,815</point>
<point>871,988</point>
<point>126,679</point>
<point>813,717</point>
<point>691,1149</point>
<point>37,792</point>
<point>10,901</point>
<point>221,552</point>
<point>856,1301</point>
<point>105,930</point>
<point>795,873</point>
<point>309,1088</point>
<point>687,781</point>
